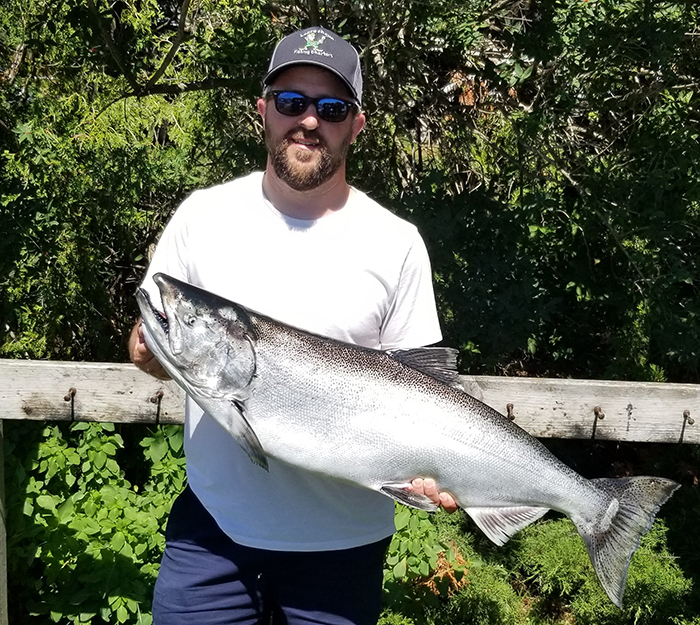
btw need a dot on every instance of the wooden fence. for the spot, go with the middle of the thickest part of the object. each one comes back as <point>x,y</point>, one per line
<point>548,408</point>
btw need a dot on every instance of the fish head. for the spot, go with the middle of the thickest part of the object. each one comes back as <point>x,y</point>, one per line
<point>200,339</point>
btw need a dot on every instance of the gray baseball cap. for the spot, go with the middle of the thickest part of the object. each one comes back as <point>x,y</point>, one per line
<point>320,47</point>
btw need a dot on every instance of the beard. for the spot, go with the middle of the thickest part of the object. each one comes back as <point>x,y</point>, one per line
<point>300,169</point>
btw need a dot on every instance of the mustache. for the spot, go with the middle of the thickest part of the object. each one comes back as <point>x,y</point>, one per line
<point>301,134</point>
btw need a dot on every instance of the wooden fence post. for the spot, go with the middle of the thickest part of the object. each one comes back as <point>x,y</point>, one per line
<point>3,537</point>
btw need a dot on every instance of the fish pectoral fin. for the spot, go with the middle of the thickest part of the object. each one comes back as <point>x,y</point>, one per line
<point>245,435</point>
<point>400,491</point>
<point>499,524</point>
<point>437,362</point>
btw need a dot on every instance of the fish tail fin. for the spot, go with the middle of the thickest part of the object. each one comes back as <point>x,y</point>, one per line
<point>614,535</point>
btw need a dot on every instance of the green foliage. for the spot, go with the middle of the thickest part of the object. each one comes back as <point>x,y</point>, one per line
<point>465,588</point>
<point>84,543</point>
<point>413,555</point>
<point>552,559</point>
<point>88,176</point>
<point>414,548</point>
<point>391,618</point>
<point>543,576</point>
<point>87,508</point>
<point>548,152</point>
<point>558,189</point>
<point>486,599</point>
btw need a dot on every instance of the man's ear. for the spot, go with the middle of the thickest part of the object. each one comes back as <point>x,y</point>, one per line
<point>262,107</point>
<point>358,123</point>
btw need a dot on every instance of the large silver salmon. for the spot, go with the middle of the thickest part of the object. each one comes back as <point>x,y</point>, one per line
<point>379,419</point>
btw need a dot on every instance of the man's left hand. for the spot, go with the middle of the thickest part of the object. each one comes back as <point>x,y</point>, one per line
<point>428,487</point>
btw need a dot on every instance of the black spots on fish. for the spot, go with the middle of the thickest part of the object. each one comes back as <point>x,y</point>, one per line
<point>437,362</point>
<point>237,321</point>
<point>616,531</point>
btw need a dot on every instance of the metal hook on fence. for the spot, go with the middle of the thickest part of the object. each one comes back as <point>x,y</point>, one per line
<point>71,398</point>
<point>509,410</point>
<point>156,399</point>
<point>599,414</point>
<point>687,420</point>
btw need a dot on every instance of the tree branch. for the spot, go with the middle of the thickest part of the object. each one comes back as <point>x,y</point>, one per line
<point>202,85</point>
<point>314,15</point>
<point>112,47</point>
<point>17,59</point>
<point>175,89</point>
<point>179,38</point>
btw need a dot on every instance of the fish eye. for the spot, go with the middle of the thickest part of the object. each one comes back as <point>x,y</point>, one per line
<point>190,320</point>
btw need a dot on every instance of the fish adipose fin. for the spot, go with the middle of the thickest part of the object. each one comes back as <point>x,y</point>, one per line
<point>245,436</point>
<point>613,537</point>
<point>400,491</point>
<point>437,362</point>
<point>499,524</point>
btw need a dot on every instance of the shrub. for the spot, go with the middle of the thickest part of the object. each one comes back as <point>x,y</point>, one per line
<point>551,558</point>
<point>84,543</point>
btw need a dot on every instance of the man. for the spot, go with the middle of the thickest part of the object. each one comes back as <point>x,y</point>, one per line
<point>299,244</point>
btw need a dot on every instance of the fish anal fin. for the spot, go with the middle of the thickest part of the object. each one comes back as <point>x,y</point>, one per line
<point>500,524</point>
<point>401,492</point>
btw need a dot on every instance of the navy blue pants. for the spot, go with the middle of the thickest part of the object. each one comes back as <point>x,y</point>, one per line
<point>207,579</point>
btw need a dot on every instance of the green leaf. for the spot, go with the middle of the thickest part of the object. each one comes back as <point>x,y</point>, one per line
<point>65,510</point>
<point>402,518</point>
<point>416,547</point>
<point>27,507</point>
<point>117,542</point>
<point>399,569</point>
<point>424,568</point>
<point>100,459</point>
<point>158,449</point>
<point>47,502</point>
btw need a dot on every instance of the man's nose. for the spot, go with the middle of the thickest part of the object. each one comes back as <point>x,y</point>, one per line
<point>310,118</point>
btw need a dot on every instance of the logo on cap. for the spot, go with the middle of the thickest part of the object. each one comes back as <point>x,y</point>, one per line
<point>313,45</point>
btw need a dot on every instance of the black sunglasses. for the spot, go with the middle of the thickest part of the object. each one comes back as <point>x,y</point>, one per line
<point>329,109</point>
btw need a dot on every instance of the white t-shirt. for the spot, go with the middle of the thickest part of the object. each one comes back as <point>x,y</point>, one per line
<point>360,275</point>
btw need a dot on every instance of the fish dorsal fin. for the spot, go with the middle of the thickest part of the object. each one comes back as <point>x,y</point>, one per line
<point>437,362</point>
<point>402,493</point>
<point>499,524</point>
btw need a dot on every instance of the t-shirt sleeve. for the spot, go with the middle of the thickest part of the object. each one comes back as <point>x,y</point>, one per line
<point>169,256</point>
<point>412,320</point>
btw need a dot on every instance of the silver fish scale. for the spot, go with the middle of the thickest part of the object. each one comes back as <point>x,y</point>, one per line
<point>363,416</point>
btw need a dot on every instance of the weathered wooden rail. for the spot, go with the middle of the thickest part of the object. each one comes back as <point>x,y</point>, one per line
<point>548,408</point>
<point>605,410</point>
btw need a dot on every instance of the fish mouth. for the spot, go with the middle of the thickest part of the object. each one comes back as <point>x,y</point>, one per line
<point>157,314</point>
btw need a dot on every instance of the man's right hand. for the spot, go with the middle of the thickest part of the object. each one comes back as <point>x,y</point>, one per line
<point>143,357</point>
